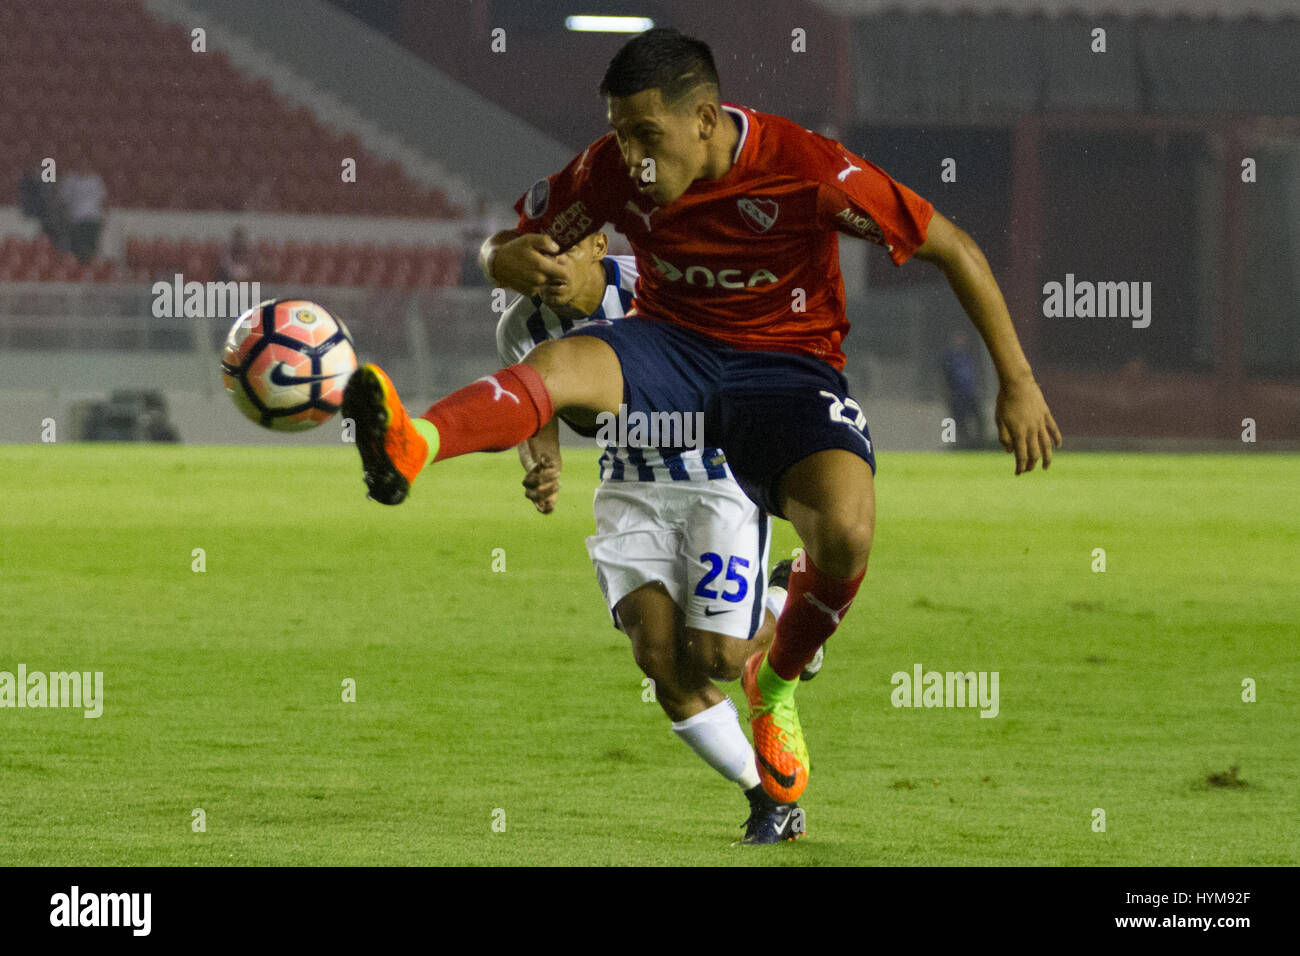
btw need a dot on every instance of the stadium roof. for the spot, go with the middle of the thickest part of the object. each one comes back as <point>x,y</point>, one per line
<point>1224,9</point>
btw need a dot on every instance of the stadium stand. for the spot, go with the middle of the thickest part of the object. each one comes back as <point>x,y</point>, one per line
<point>391,265</point>
<point>167,128</point>
<point>170,129</point>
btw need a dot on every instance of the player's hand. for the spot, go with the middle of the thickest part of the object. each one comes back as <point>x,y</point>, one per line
<point>1025,425</point>
<point>526,262</point>
<point>542,484</point>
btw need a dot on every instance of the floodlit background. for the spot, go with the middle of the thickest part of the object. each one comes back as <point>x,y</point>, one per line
<point>1140,608</point>
<point>1171,158</point>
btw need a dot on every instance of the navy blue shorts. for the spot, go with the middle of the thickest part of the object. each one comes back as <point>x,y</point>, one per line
<point>765,410</point>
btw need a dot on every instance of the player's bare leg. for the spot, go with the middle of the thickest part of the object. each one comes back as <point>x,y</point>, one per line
<point>721,656</point>
<point>703,716</point>
<point>581,373</point>
<point>652,621</point>
<point>493,413</point>
<point>829,497</point>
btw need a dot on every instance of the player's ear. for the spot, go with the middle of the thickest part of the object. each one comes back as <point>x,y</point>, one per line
<point>599,245</point>
<point>706,116</point>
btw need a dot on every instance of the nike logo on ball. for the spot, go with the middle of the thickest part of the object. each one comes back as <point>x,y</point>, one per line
<point>280,377</point>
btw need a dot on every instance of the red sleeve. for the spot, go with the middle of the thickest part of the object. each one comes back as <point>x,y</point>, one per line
<point>567,206</point>
<point>862,200</point>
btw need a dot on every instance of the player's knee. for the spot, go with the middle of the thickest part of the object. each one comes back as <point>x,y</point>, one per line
<point>725,669</point>
<point>660,664</point>
<point>715,655</point>
<point>579,372</point>
<point>657,661</point>
<point>843,544</point>
<point>549,360</point>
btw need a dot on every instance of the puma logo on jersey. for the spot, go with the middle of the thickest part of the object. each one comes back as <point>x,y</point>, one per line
<point>848,171</point>
<point>499,389</point>
<point>832,613</point>
<point>641,214</point>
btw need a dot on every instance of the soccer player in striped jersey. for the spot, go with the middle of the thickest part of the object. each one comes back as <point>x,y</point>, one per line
<point>735,217</point>
<point>680,552</point>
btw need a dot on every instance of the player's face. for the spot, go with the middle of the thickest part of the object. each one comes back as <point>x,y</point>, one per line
<point>582,270</point>
<point>647,129</point>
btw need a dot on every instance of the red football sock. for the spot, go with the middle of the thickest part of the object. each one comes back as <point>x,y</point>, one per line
<point>804,626</point>
<point>492,414</point>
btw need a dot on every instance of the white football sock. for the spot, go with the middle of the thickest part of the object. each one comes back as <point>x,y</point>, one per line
<point>775,601</point>
<point>716,736</point>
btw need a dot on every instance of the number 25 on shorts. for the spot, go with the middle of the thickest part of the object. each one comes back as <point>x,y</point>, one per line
<point>715,563</point>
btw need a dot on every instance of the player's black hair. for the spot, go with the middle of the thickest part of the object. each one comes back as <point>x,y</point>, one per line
<point>661,59</point>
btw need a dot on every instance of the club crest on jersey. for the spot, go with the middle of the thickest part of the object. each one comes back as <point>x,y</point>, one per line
<point>538,196</point>
<point>759,214</point>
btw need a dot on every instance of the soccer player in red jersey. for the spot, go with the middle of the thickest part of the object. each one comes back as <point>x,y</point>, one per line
<point>734,217</point>
<point>680,550</point>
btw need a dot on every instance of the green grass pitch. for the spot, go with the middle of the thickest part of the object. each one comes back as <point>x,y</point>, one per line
<point>485,696</point>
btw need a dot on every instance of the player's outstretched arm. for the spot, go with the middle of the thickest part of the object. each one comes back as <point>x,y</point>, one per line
<point>520,262</point>
<point>1025,424</point>
<point>540,456</point>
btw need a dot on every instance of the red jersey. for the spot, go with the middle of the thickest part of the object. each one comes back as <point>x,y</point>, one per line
<point>726,258</point>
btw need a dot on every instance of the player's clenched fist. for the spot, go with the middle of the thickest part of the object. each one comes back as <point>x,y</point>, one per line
<point>524,263</point>
<point>542,484</point>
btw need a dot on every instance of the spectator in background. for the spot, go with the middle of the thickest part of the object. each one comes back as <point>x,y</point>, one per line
<point>264,197</point>
<point>83,193</point>
<point>960,379</point>
<point>238,262</point>
<point>40,200</point>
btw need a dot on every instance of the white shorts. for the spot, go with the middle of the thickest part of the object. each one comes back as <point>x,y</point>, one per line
<point>704,540</point>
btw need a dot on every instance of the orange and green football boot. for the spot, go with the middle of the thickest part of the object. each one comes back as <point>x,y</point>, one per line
<point>393,449</point>
<point>779,748</point>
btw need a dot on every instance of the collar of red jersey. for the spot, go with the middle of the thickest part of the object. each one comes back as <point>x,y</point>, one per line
<point>743,118</point>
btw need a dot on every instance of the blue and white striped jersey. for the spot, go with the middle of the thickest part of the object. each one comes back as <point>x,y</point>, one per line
<point>528,322</point>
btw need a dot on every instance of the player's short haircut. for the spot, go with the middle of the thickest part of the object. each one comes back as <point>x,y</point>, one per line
<point>662,59</point>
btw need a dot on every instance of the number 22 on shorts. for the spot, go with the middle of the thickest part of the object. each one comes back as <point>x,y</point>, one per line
<point>857,421</point>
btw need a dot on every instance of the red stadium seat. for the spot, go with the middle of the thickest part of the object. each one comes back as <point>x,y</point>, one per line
<point>350,273</point>
<point>105,74</point>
